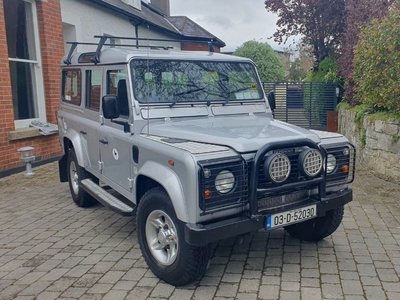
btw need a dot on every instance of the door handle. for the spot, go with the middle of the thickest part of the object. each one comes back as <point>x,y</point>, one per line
<point>103,141</point>
<point>83,131</point>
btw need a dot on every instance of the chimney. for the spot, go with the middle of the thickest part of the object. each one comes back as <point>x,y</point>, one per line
<point>162,5</point>
<point>134,3</point>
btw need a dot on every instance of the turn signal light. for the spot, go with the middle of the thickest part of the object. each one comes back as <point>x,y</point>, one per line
<point>207,194</point>
<point>345,169</point>
<point>171,163</point>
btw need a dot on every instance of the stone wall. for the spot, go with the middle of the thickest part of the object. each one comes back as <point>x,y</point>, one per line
<point>377,143</point>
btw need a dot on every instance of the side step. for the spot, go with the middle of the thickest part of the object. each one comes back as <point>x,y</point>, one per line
<point>107,199</point>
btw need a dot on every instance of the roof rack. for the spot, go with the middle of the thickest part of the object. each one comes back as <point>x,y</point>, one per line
<point>103,39</point>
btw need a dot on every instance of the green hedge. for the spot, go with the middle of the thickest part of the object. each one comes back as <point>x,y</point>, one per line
<point>377,64</point>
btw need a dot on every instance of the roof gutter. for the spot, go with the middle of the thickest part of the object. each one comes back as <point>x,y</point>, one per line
<point>131,16</point>
<point>141,21</point>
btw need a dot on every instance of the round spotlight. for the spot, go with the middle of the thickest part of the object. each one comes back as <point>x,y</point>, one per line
<point>310,162</point>
<point>277,168</point>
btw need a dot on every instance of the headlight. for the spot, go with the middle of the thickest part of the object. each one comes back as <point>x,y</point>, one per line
<point>331,163</point>
<point>224,182</point>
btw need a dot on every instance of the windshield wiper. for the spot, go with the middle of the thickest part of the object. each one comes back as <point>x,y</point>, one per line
<point>184,93</point>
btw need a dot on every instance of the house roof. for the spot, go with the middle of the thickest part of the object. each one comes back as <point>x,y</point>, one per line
<point>189,28</point>
<point>182,27</point>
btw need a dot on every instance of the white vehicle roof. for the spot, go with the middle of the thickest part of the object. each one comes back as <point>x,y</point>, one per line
<point>122,56</point>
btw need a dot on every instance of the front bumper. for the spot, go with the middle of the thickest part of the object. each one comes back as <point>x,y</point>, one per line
<point>200,235</point>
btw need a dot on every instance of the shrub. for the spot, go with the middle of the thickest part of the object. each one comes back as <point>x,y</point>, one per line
<point>377,64</point>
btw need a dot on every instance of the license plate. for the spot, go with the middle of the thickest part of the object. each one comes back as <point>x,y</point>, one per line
<point>290,217</point>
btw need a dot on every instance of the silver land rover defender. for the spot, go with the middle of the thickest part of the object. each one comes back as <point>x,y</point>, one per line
<point>187,143</point>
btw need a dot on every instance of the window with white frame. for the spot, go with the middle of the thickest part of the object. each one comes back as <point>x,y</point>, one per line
<point>25,61</point>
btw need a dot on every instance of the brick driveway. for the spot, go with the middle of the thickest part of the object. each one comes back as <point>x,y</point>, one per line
<point>51,249</point>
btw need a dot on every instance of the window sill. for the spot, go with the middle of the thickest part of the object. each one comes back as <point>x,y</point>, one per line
<point>23,133</point>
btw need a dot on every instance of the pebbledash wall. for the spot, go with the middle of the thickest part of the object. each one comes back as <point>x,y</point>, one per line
<point>377,142</point>
<point>12,135</point>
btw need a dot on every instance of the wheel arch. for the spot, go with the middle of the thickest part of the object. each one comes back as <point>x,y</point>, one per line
<point>153,174</point>
<point>72,139</point>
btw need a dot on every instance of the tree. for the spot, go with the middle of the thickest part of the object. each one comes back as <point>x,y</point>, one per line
<point>296,72</point>
<point>377,64</point>
<point>270,67</point>
<point>321,22</point>
<point>358,14</point>
<point>302,61</point>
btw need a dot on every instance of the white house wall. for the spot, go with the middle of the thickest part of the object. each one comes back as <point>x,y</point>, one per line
<point>89,20</point>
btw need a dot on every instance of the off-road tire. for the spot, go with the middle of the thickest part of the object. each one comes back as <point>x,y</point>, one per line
<point>190,262</point>
<point>318,228</point>
<point>80,196</point>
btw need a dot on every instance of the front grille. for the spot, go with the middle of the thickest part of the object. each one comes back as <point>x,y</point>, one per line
<point>276,201</point>
<point>220,198</point>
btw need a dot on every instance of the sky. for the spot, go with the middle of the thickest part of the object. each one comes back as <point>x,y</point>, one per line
<point>232,21</point>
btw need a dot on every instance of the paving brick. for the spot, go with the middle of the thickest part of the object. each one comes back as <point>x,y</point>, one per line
<point>74,292</point>
<point>311,293</point>
<point>31,277</point>
<point>162,290</point>
<point>100,288</point>
<point>332,291</point>
<point>232,278</point>
<point>249,285</point>
<point>269,292</point>
<point>352,287</point>
<point>35,288</point>
<point>48,296</point>
<point>204,293</point>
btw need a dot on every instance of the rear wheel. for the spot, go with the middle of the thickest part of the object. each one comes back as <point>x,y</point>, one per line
<point>318,228</point>
<point>75,175</point>
<point>162,241</point>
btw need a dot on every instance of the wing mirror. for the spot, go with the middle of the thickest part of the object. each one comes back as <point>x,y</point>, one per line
<point>111,111</point>
<point>110,107</point>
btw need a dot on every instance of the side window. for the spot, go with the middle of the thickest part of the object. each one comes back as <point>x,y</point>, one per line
<point>116,85</point>
<point>93,89</point>
<point>71,86</point>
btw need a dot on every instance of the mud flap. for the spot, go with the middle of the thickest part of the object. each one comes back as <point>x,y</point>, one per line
<point>62,168</point>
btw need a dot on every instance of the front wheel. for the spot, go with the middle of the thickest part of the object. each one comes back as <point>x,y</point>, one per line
<point>75,175</point>
<point>162,241</point>
<point>318,228</point>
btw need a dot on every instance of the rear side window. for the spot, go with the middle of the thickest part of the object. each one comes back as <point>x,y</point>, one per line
<point>93,89</point>
<point>71,86</point>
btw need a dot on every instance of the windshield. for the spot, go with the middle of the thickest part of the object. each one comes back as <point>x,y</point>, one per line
<point>164,81</point>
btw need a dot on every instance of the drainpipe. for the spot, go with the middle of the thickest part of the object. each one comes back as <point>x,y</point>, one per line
<point>136,25</point>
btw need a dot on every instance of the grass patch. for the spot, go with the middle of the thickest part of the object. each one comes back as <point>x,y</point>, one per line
<point>363,137</point>
<point>395,138</point>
